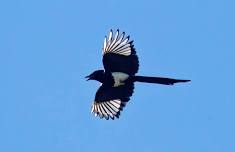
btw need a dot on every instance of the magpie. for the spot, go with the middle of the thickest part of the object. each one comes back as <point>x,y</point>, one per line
<point>117,79</point>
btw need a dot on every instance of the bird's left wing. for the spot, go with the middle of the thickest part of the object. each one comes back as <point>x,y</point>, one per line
<point>119,54</point>
<point>110,101</point>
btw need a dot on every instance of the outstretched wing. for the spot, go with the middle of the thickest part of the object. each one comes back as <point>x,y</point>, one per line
<point>110,101</point>
<point>119,54</point>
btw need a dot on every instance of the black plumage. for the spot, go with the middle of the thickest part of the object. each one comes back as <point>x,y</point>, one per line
<point>117,79</point>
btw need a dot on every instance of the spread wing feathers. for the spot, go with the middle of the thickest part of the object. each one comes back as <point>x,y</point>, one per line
<point>119,54</point>
<point>108,109</point>
<point>110,101</point>
<point>118,44</point>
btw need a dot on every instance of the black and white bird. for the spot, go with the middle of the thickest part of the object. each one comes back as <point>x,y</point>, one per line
<point>117,79</point>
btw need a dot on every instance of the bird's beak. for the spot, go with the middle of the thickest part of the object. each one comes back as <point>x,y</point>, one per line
<point>88,77</point>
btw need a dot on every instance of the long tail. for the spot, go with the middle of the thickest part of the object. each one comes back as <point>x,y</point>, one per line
<point>158,80</point>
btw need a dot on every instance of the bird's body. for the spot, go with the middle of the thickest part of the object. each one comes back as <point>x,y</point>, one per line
<point>111,79</point>
<point>118,77</point>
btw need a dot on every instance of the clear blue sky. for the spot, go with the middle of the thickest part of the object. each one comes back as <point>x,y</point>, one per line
<point>47,47</point>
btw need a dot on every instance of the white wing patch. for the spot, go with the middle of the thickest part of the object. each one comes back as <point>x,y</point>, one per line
<point>118,44</point>
<point>108,109</point>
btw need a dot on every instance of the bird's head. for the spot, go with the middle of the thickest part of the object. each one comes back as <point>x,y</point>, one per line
<point>97,75</point>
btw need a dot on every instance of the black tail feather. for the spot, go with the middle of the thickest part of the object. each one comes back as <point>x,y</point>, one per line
<point>158,80</point>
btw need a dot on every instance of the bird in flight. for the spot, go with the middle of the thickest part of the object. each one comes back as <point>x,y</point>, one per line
<point>117,79</point>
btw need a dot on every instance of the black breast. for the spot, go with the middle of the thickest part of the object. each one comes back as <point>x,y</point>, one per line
<point>108,79</point>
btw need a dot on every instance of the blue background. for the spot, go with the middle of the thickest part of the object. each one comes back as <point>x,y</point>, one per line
<point>48,47</point>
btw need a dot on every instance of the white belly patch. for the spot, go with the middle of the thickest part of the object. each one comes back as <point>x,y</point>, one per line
<point>119,77</point>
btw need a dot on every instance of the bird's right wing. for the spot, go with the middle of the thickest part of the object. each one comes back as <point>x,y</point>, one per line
<point>119,54</point>
<point>110,101</point>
